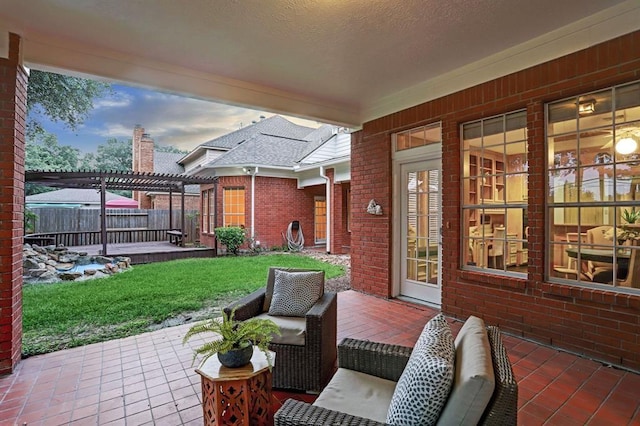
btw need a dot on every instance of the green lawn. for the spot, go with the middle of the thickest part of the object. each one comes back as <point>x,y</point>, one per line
<point>69,314</point>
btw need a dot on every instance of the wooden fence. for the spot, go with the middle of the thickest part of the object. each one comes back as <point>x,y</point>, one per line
<point>75,227</point>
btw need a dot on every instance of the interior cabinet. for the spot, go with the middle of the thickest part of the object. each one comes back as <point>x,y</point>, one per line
<point>486,180</point>
<point>512,250</point>
<point>485,185</point>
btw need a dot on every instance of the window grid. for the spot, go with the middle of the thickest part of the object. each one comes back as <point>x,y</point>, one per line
<point>233,207</point>
<point>593,188</point>
<point>495,194</point>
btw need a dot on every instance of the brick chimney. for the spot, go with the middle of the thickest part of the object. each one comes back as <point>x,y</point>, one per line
<point>142,161</point>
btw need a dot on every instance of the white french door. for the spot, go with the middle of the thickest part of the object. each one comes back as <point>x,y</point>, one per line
<point>421,243</point>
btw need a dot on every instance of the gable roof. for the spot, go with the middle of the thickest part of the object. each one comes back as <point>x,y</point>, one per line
<point>274,126</point>
<point>273,142</point>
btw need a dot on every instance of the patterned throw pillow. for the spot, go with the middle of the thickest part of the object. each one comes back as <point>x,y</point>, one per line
<point>294,293</point>
<point>426,381</point>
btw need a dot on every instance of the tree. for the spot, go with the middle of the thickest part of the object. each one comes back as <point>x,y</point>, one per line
<point>44,153</point>
<point>169,148</point>
<point>115,155</point>
<point>62,98</point>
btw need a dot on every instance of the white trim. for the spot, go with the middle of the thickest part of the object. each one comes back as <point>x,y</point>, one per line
<point>330,162</point>
<point>423,153</point>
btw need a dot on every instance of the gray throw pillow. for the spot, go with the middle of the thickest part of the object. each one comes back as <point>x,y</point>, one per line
<point>426,381</point>
<point>294,293</point>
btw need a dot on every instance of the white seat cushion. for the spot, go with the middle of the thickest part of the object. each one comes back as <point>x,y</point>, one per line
<point>293,329</point>
<point>474,380</point>
<point>358,394</point>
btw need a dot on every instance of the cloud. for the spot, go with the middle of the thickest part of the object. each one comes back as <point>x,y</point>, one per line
<point>170,119</point>
<point>117,99</point>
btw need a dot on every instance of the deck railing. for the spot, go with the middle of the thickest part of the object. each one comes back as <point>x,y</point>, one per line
<point>114,236</point>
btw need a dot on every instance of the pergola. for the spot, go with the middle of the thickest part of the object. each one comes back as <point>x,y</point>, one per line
<point>134,181</point>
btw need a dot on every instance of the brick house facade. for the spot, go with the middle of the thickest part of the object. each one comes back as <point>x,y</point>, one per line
<point>588,320</point>
<point>284,191</point>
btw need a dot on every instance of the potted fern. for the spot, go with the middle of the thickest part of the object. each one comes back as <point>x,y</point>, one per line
<point>235,340</point>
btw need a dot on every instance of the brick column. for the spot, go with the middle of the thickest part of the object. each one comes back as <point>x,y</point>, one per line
<point>337,219</point>
<point>142,152</point>
<point>13,111</point>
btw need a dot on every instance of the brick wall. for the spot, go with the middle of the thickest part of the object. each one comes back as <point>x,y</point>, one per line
<point>161,202</point>
<point>600,324</point>
<point>370,235</point>
<point>13,101</point>
<point>278,202</point>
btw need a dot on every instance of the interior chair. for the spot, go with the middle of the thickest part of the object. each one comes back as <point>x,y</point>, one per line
<point>571,269</point>
<point>597,238</point>
<point>495,249</point>
<point>633,274</point>
<point>306,351</point>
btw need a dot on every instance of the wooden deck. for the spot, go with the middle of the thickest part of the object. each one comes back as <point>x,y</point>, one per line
<point>147,252</point>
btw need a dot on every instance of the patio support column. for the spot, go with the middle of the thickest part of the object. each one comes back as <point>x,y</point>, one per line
<point>13,110</point>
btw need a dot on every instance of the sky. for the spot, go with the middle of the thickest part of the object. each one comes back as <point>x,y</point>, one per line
<point>169,119</point>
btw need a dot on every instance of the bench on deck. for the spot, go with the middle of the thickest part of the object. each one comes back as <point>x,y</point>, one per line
<point>39,240</point>
<point>175,236</point>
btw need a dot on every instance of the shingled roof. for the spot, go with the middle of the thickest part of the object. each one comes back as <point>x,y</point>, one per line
<point>167,163</point>
<point>280,143</point>
<point>274,126</point>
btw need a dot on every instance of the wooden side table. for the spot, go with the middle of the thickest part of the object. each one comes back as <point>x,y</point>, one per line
<point>237,396</point>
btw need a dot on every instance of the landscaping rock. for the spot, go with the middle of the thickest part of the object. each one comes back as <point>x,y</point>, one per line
<point>69,276</point>
<point>102,260</point>
<point>54,263</point>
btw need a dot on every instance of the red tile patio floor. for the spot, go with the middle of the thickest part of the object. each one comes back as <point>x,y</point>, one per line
<point>149,379</point>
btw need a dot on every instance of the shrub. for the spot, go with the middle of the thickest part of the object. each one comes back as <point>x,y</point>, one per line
<point>232,237</point>
<point>29,221</point>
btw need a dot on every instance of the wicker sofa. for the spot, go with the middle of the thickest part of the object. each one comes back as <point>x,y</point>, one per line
<point>380,363</point>
<point>307,366</point>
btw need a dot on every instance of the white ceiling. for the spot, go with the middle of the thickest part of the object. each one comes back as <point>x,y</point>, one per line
<point>340,61</point>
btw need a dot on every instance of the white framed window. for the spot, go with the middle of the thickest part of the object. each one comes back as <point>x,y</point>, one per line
<point>495,194</point>
<point>593,191</point>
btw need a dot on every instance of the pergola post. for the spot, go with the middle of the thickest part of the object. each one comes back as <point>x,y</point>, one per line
<point>170,209</point>
<point>103,215</point>
<point>184,222</point>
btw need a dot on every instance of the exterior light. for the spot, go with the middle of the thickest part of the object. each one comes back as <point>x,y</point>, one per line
<point>626,145</point>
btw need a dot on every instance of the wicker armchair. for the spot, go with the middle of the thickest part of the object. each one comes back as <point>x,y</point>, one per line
<point>388,362</point>
<point>297,367</point>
